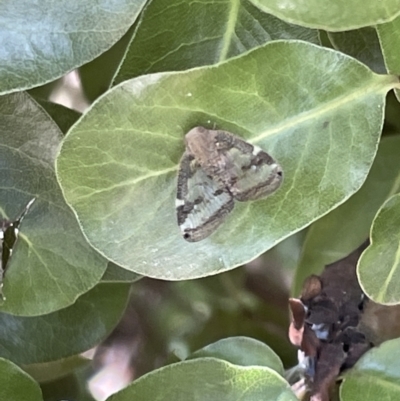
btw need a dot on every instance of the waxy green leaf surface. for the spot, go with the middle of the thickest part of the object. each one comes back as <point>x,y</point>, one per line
<point>117,274</point>
<point>375,376</point>
<point>208,379</point>
<point>243,351</point>
<point>81,326</point>
<point>379,265</point>
<point>341,231</point>
<point>316,111</point>
<point>191,34</point>
<point>362,44</point>
<point>52,264</point>
<point>389,37</point>
<point>41,41</point>
<point>15,384</point>
<point>332,15</point>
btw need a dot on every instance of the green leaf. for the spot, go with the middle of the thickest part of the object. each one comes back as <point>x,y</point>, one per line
<point>41,41</point>
<point>52,264</point>
<point>379,265</point>
<point>332,15</point>
<point>362,44</point>
<point>243,351</point>
<point>97,76</point>
<point>115,273</point>
<point>27,340</point>
<point>340,232</point>
<point>392,121</point>
<point>318,112</point>
<point>49,371</point>
<point>376,376</point>
<point>62,116</point>
<point>208,379</point>
<point>15,384</point>
<point>223,29</point>
<point>389,37</point>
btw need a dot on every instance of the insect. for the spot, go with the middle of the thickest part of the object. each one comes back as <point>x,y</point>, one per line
<point>8,237</point>
<point>216,169</point>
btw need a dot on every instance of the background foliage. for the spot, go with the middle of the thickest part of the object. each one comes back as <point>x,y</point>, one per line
<point>306,81</point>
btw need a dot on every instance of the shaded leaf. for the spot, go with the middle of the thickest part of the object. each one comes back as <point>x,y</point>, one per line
<point>15,384</point>
<point>389,37</point>
<point>27,340</point>
<point>115,273</point>
<point>338,15</point>
<point>379,266</point>
<point>42,41</point>
<point>44,372</point>
<point>52,264</point>
<point>375,376</point>
<point>222,29</point>
<point>362,44</point>
<point>65,388</point>
<point>243,351</point>
<point>335,235</point>
<point>97,76</point>
<point>321,121</point>
<point>62,116</point>
<point>392,122</point>
<point>208,379</point>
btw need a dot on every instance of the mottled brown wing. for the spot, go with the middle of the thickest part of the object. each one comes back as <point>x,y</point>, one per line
<point>250,173</point>
<point>202,203</point>
<point>245,170</point>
